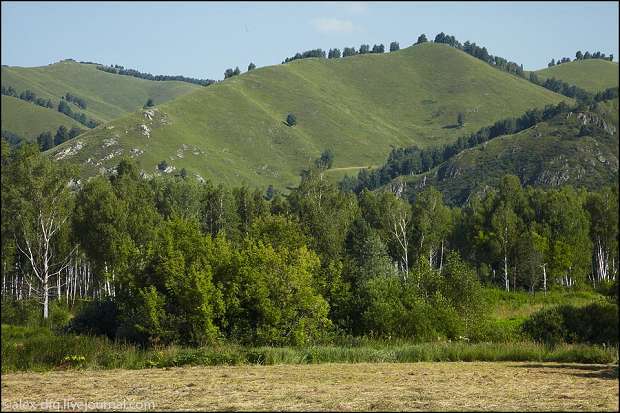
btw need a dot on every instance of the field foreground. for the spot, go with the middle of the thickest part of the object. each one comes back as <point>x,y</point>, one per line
<point>365,386</point>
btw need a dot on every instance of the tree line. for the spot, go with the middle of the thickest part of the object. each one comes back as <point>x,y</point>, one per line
<point>413,160</point>
<point>63,107</point>
<point>120,70</point>
<point>347,51</point>
<point>46,140</point>
<point>171,259</point>
<point>28,96</point>
<point>581,56</point>
<point>553,84</point>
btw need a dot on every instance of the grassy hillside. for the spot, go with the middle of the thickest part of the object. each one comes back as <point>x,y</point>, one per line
<point>592,75</point>
<point>549,154</point>
<point>358,106</point>
<point>29,120</point>
<point>108,96</point>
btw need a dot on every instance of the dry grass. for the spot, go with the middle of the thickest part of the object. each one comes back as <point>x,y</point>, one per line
<point>343,387</point>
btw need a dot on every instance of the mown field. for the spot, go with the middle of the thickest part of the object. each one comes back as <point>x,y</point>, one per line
<point>344,387</point>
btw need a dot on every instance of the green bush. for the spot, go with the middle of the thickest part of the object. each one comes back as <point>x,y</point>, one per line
<point>546,326</point>
<point>596,323</point>
<point>21,312</point>
<point>99,317</point>
<point>59,316</point>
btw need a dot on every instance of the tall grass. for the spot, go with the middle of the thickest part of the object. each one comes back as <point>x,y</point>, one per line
<point>38,349</point>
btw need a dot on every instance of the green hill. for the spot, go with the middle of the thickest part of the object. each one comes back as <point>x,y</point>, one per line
<point>107,96</point>
<point>29,120</point>
<point>357,106</point>
<point>592,75</point>
<point>551,153</point>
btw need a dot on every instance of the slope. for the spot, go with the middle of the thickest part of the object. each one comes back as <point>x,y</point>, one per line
<point>551,153</point>
<point>108,96</point>
<point>592,75</point>
<point>357,106</point>
<point>28,120</point>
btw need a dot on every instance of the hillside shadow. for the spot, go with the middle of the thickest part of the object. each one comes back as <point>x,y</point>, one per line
<point>585,371</point>
<point>450,127</point>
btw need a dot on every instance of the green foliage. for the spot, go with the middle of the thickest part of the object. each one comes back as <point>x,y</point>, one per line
<point>38,349</point>
<point>596,323</point>
<point>291,119</point>
<point>271,295</point>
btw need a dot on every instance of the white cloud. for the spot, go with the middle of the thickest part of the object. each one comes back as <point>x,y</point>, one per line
<point>325,25</point>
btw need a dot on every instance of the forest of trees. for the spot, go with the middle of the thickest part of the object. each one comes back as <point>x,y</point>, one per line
<point>171,259</point>
<point>413,160</point>
<point>120,70</point>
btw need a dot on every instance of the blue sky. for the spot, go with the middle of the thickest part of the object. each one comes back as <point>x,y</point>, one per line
<point>203,39</point>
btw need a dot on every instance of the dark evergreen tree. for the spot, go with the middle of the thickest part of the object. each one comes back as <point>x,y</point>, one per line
<point>349,51</point>
<point>73,132</point>
<point>61,135</point>
<point>422,39</point>
<point>251,66</point>
<point>291,120</point>
<point>394,46</point>
<point>45,141</point>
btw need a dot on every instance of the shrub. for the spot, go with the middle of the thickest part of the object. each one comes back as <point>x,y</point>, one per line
<point>21,312</point>
<point>545,326</point>
<point>99,317</point>
<point>596,323</point>
<point>291,120</point>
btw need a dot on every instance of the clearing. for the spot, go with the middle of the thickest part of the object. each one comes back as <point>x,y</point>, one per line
<point>377,386</point>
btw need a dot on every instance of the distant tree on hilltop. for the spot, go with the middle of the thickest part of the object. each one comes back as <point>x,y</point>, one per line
<point>251,66</point>
<point>291,120</point>
<point>394,46</point>
<point>349,51</point>
<point>422,39</point>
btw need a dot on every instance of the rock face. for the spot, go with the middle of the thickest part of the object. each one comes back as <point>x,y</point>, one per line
<point>588,118</point>
<point>70,151</point>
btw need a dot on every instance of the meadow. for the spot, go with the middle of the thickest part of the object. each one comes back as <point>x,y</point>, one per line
<point>505,386</point>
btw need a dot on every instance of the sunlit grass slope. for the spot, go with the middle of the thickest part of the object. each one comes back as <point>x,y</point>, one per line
<point>29,120</point>
<point>592,75</point>
<point>108,96</point>
<point>357,106</point>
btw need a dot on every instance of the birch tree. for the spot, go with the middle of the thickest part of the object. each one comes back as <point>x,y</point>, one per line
<point>504,223</point>
<point>39,201</point>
